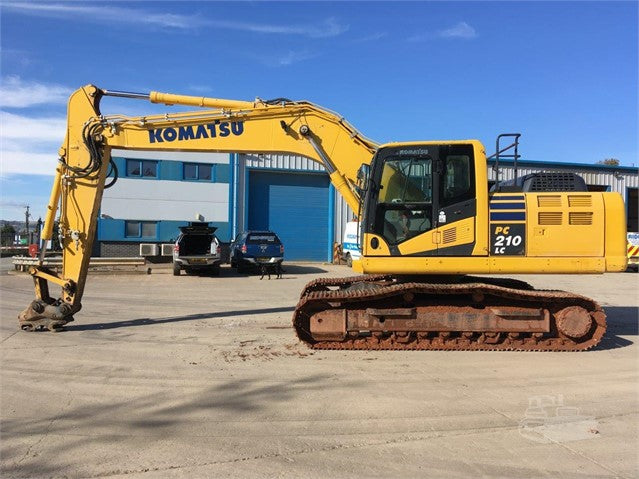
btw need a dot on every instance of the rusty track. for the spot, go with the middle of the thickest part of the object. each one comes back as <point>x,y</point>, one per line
<point>381,312</point>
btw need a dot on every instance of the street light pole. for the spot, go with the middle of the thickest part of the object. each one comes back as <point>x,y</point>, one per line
<point>26,220</point>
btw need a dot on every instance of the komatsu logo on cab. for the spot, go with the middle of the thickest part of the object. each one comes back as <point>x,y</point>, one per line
<point>197,132</point>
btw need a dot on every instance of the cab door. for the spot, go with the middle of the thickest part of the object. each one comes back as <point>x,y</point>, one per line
<point>457,203</point>
<point>404,213</point>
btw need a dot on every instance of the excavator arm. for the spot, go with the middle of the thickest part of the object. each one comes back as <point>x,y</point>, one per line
<point>278,126</point>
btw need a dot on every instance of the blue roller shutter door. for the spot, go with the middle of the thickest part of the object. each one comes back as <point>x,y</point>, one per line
<point>296,207</point>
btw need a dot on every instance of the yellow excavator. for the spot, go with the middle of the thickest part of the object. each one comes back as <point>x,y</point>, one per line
<point>427,220</point>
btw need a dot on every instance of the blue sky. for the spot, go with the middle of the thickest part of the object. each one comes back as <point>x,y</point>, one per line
<point>563,74</point>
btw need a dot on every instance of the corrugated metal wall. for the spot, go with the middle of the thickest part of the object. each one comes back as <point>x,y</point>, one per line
<point>617,180</point>
<point>282,162</point>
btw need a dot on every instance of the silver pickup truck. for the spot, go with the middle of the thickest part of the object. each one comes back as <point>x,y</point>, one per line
<point>197,249</point>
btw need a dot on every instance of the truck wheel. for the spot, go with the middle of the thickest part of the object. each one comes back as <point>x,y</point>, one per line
<point>349,260</point>
<point>176,269</point>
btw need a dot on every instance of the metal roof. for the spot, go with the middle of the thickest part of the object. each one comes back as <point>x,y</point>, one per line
<point>560,164</point>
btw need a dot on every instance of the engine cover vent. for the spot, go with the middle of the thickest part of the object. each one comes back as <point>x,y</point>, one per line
<point>581,201</point>
<point>580,218</point>
<point>549,201</point>
<point>550,217</point>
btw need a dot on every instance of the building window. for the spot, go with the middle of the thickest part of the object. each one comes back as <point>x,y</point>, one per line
<point>198,172</point>
<point>140,229</point>
<point>132,229</point>
<point>142,168</point>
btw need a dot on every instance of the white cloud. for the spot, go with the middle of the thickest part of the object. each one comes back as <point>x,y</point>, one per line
<point>330,27</point>
<point>29,145</point>
<point>170,20</point>
<point>12,204</point>
<point>35,129</point>
<point>18,56</point>
<point>461,30</point>
<point>103,14</point>
<point>17,93</point>
<point>293,57</point>
<point>17,162</point>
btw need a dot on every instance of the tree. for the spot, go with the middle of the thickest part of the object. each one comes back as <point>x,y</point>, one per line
<point>7,234</point>
<point>609,162</point>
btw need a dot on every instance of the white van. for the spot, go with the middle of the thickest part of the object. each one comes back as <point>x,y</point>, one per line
<point>350,246</point>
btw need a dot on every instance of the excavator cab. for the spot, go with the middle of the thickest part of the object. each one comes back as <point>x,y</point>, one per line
<point>415,189</point>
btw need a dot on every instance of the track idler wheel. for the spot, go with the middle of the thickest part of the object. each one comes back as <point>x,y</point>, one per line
<point>574,322</point>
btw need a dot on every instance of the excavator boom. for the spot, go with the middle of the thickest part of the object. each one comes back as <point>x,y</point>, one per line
<point>225,126</point>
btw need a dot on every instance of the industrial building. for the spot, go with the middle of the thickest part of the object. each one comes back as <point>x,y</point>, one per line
<point>157,192</point>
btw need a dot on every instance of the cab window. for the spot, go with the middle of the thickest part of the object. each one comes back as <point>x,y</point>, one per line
<point>456,179</point>
<point>405,198</point>
<point>457,182</point>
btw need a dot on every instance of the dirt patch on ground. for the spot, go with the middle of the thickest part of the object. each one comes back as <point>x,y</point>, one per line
<point>249,351</point>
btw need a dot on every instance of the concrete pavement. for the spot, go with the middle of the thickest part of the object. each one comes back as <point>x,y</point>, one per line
<point>163,376</point>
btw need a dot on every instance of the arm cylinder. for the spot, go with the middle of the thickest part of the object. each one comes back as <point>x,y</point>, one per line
<point>202,101</point>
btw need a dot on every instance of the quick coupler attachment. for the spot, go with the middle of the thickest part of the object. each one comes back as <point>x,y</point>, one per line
<point>40,315</point>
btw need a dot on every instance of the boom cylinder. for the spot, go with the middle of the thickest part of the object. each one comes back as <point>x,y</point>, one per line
<point>52,207</point>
